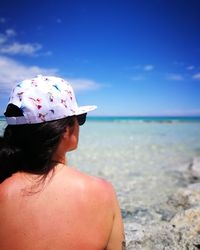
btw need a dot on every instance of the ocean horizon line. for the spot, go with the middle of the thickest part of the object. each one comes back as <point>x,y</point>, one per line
<point>147,118</point>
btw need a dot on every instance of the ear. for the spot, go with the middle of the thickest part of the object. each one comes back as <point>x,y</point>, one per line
<point>68,131</point>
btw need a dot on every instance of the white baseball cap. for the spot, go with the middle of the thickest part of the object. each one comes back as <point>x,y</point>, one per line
<point>44,98</point>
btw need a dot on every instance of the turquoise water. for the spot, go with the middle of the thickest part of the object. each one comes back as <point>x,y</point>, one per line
<point>140,156</point>
<point>146,118</point>
<point>140,118</point>
<point>141,159</point>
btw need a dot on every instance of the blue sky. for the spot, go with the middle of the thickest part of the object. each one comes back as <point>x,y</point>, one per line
<point>129,57</point>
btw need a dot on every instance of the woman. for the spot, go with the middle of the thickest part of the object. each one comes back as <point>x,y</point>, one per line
<point>44,204</point>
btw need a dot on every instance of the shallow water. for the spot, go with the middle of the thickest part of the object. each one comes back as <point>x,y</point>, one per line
<point>139,158</point>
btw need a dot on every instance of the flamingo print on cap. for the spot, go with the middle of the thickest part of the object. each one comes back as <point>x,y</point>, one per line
<point>44,98</point>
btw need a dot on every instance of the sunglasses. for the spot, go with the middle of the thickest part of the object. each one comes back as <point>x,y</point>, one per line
<point>81,118</point>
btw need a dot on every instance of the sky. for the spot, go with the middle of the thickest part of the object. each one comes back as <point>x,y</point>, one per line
<point>128,57</point>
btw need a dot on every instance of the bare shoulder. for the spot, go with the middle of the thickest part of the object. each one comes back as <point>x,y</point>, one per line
<point>102,193</point>
<point>95,185</point>
<point>5,189</point>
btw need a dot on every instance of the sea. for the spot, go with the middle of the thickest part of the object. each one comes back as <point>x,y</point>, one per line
<point>140,156</point>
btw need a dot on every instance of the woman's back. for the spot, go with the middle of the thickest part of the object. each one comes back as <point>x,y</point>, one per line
<point>43,203</point>
<point>71,211</point>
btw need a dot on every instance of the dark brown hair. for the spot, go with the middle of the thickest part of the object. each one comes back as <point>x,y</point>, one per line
<point>30,147</point>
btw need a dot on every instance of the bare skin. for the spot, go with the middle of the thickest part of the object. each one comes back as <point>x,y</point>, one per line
<point>70,211</point>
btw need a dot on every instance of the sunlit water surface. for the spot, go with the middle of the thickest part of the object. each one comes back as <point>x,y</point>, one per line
<point>140,158</point>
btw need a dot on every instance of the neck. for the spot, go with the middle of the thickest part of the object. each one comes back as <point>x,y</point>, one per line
<point>59,160</point>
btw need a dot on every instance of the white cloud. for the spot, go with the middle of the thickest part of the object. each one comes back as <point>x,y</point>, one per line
<point>58,20</point>
<point>79,84</point>
<point>179,63</point>
<point>12,71</point>
<point>5,36</point>
<point>196,76</point>
<point>148,67</point>
<point>191,67</point>
<point>175,77</point>
<point>2,20</point>
<point>137,78</point>
<point>48,53</point>
<point>3,39</point>
<point>9,45</point>
<point>21,49</point>
<point>10,32</point>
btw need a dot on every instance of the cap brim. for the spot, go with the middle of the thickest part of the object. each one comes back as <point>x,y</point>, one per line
<point>85,109</point>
